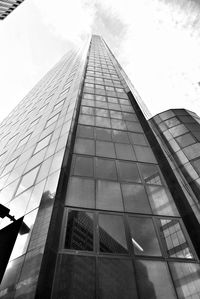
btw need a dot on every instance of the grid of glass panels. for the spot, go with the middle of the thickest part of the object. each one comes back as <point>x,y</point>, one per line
<point>122,229</point>
<point>33,140</point>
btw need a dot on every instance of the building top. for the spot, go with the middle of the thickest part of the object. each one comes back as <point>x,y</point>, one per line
<point>7,6</point>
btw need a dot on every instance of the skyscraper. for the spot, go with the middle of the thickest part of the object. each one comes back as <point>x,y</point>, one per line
<point>7,6</point>
<point>107,215</point>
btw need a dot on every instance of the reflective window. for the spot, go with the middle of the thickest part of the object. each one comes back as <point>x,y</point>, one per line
<point>52,120</point>
<point>27,180</point>
<point>106,169</point>
<point>185,140</point>
<point>150,174</point>
<point>128,171</point>
<point>138,138</point>
<point>144,239</point>
<point>120,136</point>
<point>85,131</point>
<point>144,154</point>
<point>112,234</point>
<point>116,279</point>
<point>79,233</point>
<point>173,238</point>
<point>42,143</point>
<point>83,166</point>
<point>81,192</point>
<point>84,146</point>
<point>105,149</point>
<point>161,201</point>
<point>124,151</point>
<point>187,280</point>
<point>135,198</point>
<point>154,280</point>
<point>109,196</point>
<point>103,134</point>
<point>24,140</point>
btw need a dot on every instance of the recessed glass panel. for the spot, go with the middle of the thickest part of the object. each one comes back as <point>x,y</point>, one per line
<point>116,279</point>
<point>42,143</point>
<point>150,174</point>
<point>186,279</point>
<point>106,169</point>
<point>83,166</point>
<point>81,192</point>
<point>112,237</point>
<point>79,233</point>
<point>84,146</point>
<point>109,196</point>
<point>173,238</point>
<point>143,236</point>
<point>124,151</point>
<point>154,280</point>
<point>185,140</point>
<point>135,198</point>
<point>105,149</point>
<point>128,171</point>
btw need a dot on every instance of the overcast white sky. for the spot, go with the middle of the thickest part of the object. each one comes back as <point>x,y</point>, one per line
<point>157,42</point>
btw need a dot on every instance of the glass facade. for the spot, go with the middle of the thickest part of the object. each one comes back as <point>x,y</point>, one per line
<point>121,234</point>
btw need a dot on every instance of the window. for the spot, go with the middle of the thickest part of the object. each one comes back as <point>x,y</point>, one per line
<point>105,149</point>
<point>128,171</point>
<point>124,151</point>
<point>144,154</point>
<point>150,174</point>
<point>52,120</point>
<point>143,236</point>
<point>84,146</point>
<point>106,169</point>
<point>185,140</point>
<point>83,166</point>
<point>79,233</point>
<point>109,196</point>
<point>42,143</point>
<point>28,180</point>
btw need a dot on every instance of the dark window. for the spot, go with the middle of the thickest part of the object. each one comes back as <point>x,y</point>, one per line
<point>106,169</point>
<point>128,171</point>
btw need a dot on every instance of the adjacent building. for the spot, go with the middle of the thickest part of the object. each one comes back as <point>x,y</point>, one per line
<point>7,6</point>
<point>108,217</point>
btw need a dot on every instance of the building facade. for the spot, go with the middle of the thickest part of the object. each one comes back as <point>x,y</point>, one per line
<point>107,216</point>
<point>7,6</point>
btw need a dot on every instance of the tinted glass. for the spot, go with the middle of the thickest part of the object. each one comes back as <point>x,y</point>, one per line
<point>128,171</point>
<point>150,174</point>
<point>106,169</point>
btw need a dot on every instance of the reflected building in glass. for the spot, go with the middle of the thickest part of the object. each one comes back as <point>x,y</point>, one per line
<point>107,214</point>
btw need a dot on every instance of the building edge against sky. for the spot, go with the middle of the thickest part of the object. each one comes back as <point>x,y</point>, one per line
<point>106,212</point>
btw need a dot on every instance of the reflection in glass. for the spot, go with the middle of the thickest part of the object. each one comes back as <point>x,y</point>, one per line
<point>75,277</point>
<point>28,180</point>
<point>161,201</point>
<point>106,169</point>
<point>150,174</point>
<point>135,198</point>
<point>79,234</point>
<point>105,149</point>
<point>109,196</point>
<point>124,151</point>
<point>154,280</point>
<point>143,236</point>
<point>174,239</point>
<point>81,192</point>
<point>186,277</point>
<point>116,279</point>
<point>128,171</point>
<point>84,146</point>
<point>111,234</point>
<point>83,166</point>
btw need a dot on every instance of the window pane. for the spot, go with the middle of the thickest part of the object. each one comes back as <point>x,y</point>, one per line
<point>103,134</point>
<point>75,277</point>
<point>81,193</point>
<point>138,139</point>
<point>143,236</point>
<point>84,146</point>
<point>116,279</point>
<point>173,239</point>
<point>185,140</point>
<point>124,151</point>
<point>109,196</point>
<point>106,169</point>
<point>128,171</point>
<point>150,174</point>
<point>161,201</point>
<point>111,234</point>
<point>42,143</point>
<point>154,280</point>
<point>83,166</point>
<point>105,149</point>
<point>85,131</point>
<point>79,234</point>
<point>144,154</point>
<point>120,136</point>
<point>186,277</point>
<point>135,198</point>
<point>27,180</point>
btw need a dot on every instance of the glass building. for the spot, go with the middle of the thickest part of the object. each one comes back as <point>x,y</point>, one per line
<point>106,213</point>
<point>7,6</point>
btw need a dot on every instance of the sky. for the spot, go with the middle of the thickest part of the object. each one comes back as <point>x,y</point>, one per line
<point>157,42</point>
